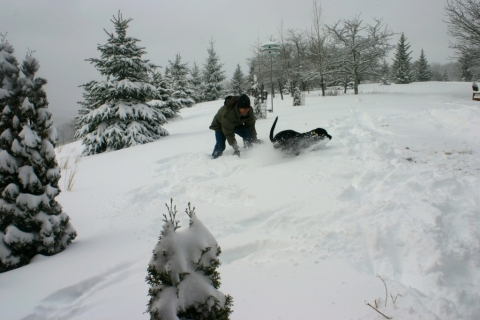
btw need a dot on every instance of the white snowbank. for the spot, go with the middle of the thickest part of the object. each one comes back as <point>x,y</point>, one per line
<point>394,193</point>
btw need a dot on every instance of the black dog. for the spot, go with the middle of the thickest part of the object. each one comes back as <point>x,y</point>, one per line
<point>292,142</point>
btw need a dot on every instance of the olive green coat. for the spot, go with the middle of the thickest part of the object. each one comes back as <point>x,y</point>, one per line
<point>228,117</point>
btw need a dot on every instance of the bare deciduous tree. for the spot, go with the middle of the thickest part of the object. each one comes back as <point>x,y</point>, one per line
<point>258,64</point>
<point>284,59</point>
<point>363,46</point>
<point>464,26</point>
<point>463,23</point>
<point>298,42</point>
<point>318,47</point>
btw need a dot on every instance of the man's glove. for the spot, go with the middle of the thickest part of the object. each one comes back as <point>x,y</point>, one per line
<point>236,150</point>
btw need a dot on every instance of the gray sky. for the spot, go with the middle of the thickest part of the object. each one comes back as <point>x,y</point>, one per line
<point>64,33</point>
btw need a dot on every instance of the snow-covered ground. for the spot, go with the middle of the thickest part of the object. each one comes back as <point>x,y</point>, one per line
<point>394,194</point>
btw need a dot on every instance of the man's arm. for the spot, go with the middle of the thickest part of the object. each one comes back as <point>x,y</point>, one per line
<point>250,124</point>
<point>228,131</point>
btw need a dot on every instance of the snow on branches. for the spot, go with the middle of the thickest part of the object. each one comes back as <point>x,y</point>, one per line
<point>183,275</point>
<point>31,221</point>
<point>118,112</point>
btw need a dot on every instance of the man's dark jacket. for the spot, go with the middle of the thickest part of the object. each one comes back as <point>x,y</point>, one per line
<point>228,117</point>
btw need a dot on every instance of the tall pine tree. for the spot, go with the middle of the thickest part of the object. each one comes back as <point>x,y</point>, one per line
<point>31,220</point>
<point>423,69</point>
<point>445,76</point>
<point>465,70</point>
<point>401,70</point>
<point>115,113</point>
<point>195,80</point>
<point>212,75</point>
<point>385,72</point>
<point>167,105</point>
<point>178,73</point>
<point>238,82</point>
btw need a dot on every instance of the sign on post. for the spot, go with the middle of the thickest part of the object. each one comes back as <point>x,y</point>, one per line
<point>271,49</point>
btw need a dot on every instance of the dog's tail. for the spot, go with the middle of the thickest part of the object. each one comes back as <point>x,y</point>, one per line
<point>273,128</point>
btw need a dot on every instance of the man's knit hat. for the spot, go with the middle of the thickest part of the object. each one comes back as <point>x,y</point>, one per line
<point>243,101</point>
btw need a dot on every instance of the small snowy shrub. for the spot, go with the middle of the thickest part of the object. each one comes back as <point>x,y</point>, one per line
<point>297,97</point>
<point>183,275</point>
<point>385,81</point>
<point>31,221</point>
<point>331,92</point>
<point>259,109</point>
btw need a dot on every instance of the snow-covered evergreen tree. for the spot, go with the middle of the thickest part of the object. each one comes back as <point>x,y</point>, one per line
<point>465,70</point>
<point>414,68</point>
<point>168,82</point>
<point>31,220</point>
<point>196,82</point>
<point>288,86</point>
<point>385,72</point>
<point>445,76</point>
<point>212,76</point>
<point>297,96</point>
<point>183,275</point>
<point>115,113</point>
<point>166,104</point>
<point>238,81</point>
<point>178,73</point>
<point>401,70</point>
<point>257,99</point>
<point>423,69</point>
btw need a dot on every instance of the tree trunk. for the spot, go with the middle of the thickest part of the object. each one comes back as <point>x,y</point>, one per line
<point>304,86</point>
<point>322,83</point>
<point>357,81</point>
<point>280,88</point>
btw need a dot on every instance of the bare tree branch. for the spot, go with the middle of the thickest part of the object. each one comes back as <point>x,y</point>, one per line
<point>362,45</point>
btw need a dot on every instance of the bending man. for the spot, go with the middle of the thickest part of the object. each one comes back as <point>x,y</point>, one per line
<point>235,117</point>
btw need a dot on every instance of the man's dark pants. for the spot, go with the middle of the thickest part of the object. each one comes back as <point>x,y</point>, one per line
<point>242,131</point>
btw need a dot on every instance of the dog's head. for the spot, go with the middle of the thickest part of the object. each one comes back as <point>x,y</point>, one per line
<point>319,134</point>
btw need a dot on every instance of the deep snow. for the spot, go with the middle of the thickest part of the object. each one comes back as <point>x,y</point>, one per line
<point>394,194</point>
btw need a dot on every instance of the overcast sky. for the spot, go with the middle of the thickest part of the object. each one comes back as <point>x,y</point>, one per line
<point>64,33</point>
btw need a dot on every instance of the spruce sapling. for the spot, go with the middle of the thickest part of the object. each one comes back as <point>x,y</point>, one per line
<point>183,275</point>
<point>297,98</point>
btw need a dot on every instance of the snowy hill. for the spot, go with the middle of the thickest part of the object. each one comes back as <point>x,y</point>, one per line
<point>394,194</point>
